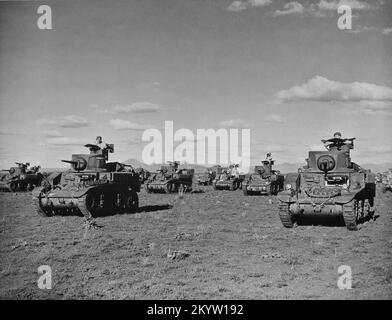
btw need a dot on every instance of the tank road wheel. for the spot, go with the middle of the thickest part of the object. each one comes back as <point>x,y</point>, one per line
<point>22,186</point>
<point>168,187</point>
<point>350,215</point>
<point>132,202</point>
<point>119,202</point>
<point>148,190</point>
<point>91,201</point>
<point>89,205</point>
<point>371,208</point>
<point>273,190</point>
<point>13,186</point>
<point>41,210</point>
<point>108,203</point>
<point>285,215</point>
<point>245,190</point>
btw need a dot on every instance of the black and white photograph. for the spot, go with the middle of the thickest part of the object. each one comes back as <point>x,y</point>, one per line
<point>196,150</point>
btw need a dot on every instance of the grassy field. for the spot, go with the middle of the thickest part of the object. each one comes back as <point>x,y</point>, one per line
<point>212,245</point>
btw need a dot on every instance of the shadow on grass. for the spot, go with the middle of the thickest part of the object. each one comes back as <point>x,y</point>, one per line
<point>331,221</point>
<point>153,208</point>
<point>104,213</point>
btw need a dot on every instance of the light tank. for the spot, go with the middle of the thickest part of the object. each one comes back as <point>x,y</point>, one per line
<point>207,177</point>
<point>329,185</point>
<point>264,180</point>
<point>169,179</point>
<point>226,179</point>
<point>92,187</point>
<point>20,178</point>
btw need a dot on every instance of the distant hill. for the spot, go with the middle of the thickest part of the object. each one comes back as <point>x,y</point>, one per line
<point>288,167</point>
<point>53,169</point>
<point>137,164</point>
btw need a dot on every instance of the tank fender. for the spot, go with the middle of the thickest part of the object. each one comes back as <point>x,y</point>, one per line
<point>286,196</point>
<point>343,199</point>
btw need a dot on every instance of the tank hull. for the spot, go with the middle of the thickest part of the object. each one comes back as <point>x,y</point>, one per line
<point>90,202</point>
<point>262,189</point>
<point>257,190</point>
<point>167,186</point>
<point>231,185</point>
<point>351,207</point>
<point>28,183</point>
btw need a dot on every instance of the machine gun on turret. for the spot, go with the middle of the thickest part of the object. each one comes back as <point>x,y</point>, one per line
<point>336,144</point>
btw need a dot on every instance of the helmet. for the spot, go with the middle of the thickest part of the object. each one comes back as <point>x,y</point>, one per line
<point>337,134</point>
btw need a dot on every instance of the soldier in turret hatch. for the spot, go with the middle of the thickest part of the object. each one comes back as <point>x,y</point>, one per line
<point>337,142</point>
<point>268,157</point>
<point>99,143</point>
<point>234,171</point>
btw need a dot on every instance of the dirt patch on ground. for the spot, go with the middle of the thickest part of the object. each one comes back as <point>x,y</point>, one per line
<point>212,245</point>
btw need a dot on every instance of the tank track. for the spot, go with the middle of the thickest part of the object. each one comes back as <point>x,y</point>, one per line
<point>285,215</point>
<point>350,215</point>
<point>41,211</point>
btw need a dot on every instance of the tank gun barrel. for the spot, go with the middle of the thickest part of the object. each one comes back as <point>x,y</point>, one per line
<point>70,161</point>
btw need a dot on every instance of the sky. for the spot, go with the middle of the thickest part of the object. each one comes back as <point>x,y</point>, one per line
<point>116,68</point>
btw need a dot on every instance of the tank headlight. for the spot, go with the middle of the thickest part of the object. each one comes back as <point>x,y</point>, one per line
<point>288,186</point>
<point>345,186</point>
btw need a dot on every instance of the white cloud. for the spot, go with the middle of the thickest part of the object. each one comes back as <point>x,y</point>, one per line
<point>137,107</point>
<point>71,121</point>
<point>235,123</point>
<point>259,3</point>
<point>387,31</point>
<point>119,124</point>
<point>322,89</point>
<point>290,8</point>
<point>273,117</point>
<point>319,9</point>
<point>335,4</point>
<point>237,5</point>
